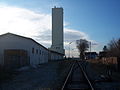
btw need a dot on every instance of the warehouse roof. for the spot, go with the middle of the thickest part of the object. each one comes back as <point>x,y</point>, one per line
<point>23,37</point>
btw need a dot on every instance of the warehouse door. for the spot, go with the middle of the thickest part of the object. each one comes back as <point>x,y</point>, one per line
<point>15,58</point>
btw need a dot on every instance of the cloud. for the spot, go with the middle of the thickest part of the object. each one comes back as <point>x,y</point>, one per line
<point>72,35</point>
<point>23,21</point>
<point>28,23</point>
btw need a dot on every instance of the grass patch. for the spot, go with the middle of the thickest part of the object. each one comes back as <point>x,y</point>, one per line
<point>101,68</point>
<point>98,67</point>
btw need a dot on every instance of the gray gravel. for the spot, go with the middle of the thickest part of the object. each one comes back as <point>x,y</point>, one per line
<point>49,76</point>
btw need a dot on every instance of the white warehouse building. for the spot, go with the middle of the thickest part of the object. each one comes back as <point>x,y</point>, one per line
<point>14,48</point>
<point>17,51</point>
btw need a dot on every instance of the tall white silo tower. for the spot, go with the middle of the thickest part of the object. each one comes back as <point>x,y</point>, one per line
<point>57,30</point>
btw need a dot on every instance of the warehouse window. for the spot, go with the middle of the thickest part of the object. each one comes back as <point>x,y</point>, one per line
<point>36,51</point>
<point>39,51</point>
<point>57,47</point>
<point>32,50</point>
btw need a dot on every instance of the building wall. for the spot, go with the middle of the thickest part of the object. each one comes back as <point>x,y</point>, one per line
<point>91,55</point>
<point>55,56</point>
<point>15,42</point>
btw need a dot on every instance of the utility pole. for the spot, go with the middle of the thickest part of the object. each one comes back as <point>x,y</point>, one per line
<point>69,49</point>
<point>90,49</point>
<point>72,53</point>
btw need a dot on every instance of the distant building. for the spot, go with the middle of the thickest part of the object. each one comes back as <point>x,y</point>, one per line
<point>91,55</point>
<point>57,30</point>
<point>102,54</point>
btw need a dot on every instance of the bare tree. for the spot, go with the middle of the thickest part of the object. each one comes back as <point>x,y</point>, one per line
<point>114,48</point>
<point>82,46</point>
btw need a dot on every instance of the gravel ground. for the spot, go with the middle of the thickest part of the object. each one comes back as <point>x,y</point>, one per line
<point>48,76</point>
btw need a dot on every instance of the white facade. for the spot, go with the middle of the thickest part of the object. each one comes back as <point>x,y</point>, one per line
<point>57,30</point>
<point>55,55</point>
<point>36,52</point>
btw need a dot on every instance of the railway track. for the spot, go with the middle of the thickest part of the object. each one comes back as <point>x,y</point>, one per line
<point>77,79</point>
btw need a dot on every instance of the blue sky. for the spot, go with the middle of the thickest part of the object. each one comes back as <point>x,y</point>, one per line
<point>98,19</point>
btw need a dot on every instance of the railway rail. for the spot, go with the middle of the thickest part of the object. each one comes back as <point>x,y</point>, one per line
<point>77,78</point>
